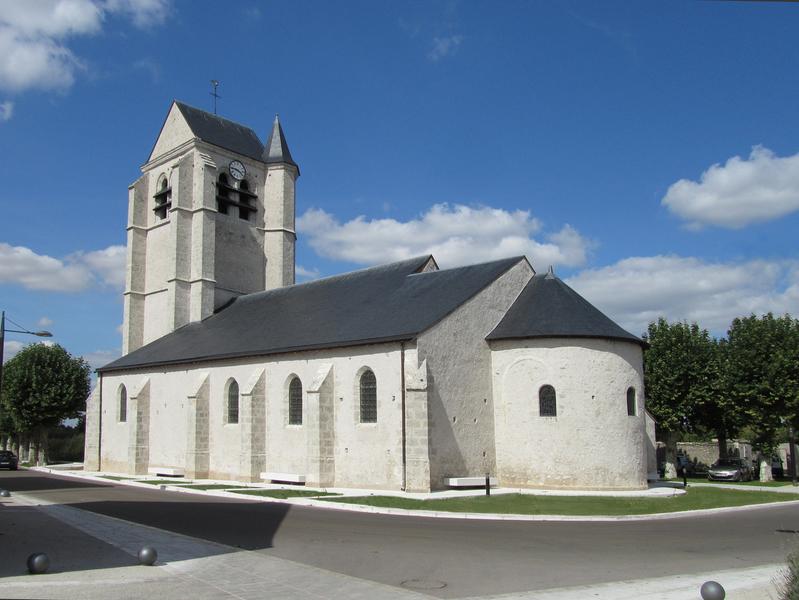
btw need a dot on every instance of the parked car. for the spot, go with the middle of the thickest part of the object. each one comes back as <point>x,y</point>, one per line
<point>8,460</point>
<point>729,469</point>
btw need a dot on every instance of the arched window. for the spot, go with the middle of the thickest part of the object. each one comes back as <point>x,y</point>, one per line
<point>123,404</point>
<point>631,401</point>
<point>163,198</point>
<point>547,403</point>
<point>223,198</point>
<point>295,402</point>
<point>368,393</point>
<point>233,402</point>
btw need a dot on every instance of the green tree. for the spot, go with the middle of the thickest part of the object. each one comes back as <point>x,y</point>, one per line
<point>682,381</point>
<point>42,386</point>
<point>763,375</point>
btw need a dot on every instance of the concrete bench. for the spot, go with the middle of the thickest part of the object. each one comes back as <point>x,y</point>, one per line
<point>168,471</point>
<point>283,477</point>
<point>470,481</point>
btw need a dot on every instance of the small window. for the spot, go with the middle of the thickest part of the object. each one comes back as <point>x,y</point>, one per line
<point>222,194</point>
<point>123,404</point>
<point>233,403</point>
<point>163,198</point>
<point>368,393</point>
<point>295,402</point>
<point>631,401</point>
<point>547,403</point>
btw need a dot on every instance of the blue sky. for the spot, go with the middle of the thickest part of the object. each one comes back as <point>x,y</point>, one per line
<point>649,151</point>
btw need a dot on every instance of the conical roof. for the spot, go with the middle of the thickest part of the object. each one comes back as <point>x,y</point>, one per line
<point>276,149</point>
<point>547,307</point>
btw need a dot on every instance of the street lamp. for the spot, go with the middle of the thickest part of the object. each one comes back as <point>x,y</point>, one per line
<point>3,340</point>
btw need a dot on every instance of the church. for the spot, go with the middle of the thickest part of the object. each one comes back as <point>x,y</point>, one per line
<point>402,376</point>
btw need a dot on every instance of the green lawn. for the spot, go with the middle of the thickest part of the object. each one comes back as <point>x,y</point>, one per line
<point>164,481</point>
<point>283,493</point>
<point>524,504</point>
<point>116,478</point>
<point>755,483</point>
<point>211,486</point>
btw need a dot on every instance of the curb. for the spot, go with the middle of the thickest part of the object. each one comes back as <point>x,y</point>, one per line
<point>378,510</point>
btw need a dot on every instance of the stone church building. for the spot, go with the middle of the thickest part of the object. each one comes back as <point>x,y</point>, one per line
<point>401,376</point>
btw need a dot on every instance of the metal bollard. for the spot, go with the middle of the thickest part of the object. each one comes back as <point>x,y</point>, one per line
<point>488,485</point>
<point>712,590</point>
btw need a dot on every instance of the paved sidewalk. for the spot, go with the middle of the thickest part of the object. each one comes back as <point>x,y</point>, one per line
<point>93,557</point>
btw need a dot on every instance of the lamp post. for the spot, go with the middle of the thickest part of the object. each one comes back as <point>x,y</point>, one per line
<point>3,340</point>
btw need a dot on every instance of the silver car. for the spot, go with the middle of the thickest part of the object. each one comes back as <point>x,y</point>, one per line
<point>729,469</point>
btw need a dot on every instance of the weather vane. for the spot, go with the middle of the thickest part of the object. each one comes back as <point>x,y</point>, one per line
<point>215,83</point>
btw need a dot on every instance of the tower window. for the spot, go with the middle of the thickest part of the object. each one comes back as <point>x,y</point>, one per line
<point>295,402</point>
<point>230,199</point>
<point>631,401</point>
<point>547,402</point>
<point>368,394</point>
<point>163,198</point>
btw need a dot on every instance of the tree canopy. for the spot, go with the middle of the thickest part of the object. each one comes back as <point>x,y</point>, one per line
<point>42,386</point>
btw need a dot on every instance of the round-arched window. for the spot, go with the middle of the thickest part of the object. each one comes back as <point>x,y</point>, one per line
<point>295,402</point>
<point>233,402</point>
<point>547,402</point>
<point>368,394</point>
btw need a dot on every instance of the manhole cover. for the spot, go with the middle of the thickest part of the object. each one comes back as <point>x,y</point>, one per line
<point>423,584</point>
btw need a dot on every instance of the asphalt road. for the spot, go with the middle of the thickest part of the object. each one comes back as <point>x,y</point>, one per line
<point>472,557</point>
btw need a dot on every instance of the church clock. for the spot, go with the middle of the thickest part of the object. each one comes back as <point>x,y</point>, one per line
<point>237,170</point>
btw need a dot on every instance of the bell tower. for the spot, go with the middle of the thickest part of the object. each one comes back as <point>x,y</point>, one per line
<point>211,218</point>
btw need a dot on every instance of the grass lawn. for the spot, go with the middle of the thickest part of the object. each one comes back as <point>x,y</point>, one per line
<point>283,493</point>
<point>165,481</point>
<point>523,504</point>
<point>116,478</point>
<point>755,483</point>
<point>211,486</point>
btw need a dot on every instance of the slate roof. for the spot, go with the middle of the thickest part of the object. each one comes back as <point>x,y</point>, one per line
<point>276,149</point>
<point>222,132</point>
<point>547,307</point>
<point>393,302</point>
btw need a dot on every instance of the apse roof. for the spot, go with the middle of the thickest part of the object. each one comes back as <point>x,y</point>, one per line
<point>547,307</point>
<point>392,302</point>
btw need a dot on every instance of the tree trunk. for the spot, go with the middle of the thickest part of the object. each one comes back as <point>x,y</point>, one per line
<point>671,456</point>
<point>35,445</point>
<point>15,445</point>
<point>765,469</point>
<point>43,447</point>
<point>722,437</point>
<point>24,449</point>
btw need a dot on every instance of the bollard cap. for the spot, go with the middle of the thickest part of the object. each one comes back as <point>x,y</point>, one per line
<point>712,590</point>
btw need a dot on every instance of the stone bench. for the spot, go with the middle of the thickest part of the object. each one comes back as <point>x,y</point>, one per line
<point>283,477</point>
<point>470,481</point>
<point>168,471</point>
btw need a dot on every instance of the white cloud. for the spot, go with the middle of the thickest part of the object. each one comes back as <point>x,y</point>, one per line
<point>11,348</point>
<point>443,47</point>
<point>33,34</point>
<point>455,235</point>
<point>44,322</point>
<point>100,358</point>
<point>6,110</point>
<point>306,274</point>
<point>740,192</point>
<point>638,290</point>
<point>75,273</point>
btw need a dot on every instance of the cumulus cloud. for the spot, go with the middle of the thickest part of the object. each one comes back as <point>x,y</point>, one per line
<point>100,358</point>
<point>306,274</point>
<point>455,235</point>
<point>6,110</point>
<point>33,37</point>
<point>75,273</point>
<point>738,193</point>
<point>44,322</point>
<point>11,348</point>
<point>638,290</point>
<point>444,46</point>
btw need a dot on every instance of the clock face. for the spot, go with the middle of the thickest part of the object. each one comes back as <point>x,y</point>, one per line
<point>237,170</point>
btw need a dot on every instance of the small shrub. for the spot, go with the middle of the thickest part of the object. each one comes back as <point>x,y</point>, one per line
<point>788,588</point>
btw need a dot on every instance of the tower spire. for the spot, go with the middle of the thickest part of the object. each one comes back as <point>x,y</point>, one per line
<point>276,149</point>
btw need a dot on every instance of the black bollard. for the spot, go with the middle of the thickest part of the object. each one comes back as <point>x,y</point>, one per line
<point>488,485</point>
<point>147,556</point>
<point>38,563</point>
<point>712,590</point>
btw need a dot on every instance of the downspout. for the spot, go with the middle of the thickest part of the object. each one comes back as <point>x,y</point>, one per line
<point>100,423</point>
<point>402,395</point>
